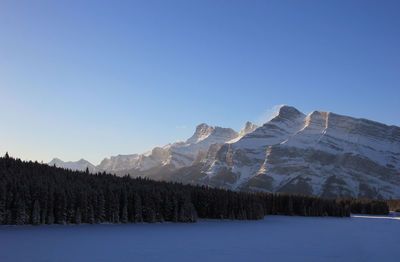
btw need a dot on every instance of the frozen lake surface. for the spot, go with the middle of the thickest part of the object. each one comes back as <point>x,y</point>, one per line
<point>276,238</point>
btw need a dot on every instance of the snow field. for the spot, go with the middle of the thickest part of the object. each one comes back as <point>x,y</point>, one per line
<point>276,238</point>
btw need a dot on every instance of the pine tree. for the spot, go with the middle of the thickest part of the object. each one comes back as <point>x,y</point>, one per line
<point>100,209</point>
<point>124,214</point>
<point>3,211</point>
<point>36,213</point>
<point>91,219</point>
<point>20,212</point>
<point>138,215</point>
<point>61,209</point>
<point>124,206</point>
<point>78,216</point>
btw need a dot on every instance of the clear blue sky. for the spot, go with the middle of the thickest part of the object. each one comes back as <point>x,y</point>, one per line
<point>90,79</point>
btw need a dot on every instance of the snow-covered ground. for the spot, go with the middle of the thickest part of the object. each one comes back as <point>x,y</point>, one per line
<point>276,238</point>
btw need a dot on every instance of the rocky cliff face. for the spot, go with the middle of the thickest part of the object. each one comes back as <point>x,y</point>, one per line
<point>321,153</point>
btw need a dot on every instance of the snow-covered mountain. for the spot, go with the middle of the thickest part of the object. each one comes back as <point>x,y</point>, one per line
<point>321,153</point>
<point>172,156</point>
<point>79,165</point>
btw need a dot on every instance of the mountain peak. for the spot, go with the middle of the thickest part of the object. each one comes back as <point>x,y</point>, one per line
<point>202,126</point>
<point>55,159</point>
<point>202,131</point>
<point>247,128</point>
<point>287,113</point>
<point>285,109</point>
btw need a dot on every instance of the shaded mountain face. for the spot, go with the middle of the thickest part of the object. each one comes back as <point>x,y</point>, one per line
<point>321,154</point>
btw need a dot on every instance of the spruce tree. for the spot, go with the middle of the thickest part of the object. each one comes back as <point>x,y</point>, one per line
<point>36,213</point>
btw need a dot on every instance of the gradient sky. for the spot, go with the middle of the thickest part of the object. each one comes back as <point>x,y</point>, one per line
<point>90,79</point>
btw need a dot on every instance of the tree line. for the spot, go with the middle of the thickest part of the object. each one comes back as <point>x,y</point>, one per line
<point>366,206</point>
<point>33,193</point>
<point>394,204</point>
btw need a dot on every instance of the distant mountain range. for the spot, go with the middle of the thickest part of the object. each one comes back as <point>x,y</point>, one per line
<point>80,165</point>
<point>174,156</point>
<point>322,153</point>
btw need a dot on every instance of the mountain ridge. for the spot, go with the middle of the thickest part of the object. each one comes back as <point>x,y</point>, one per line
<point>321,153</point>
